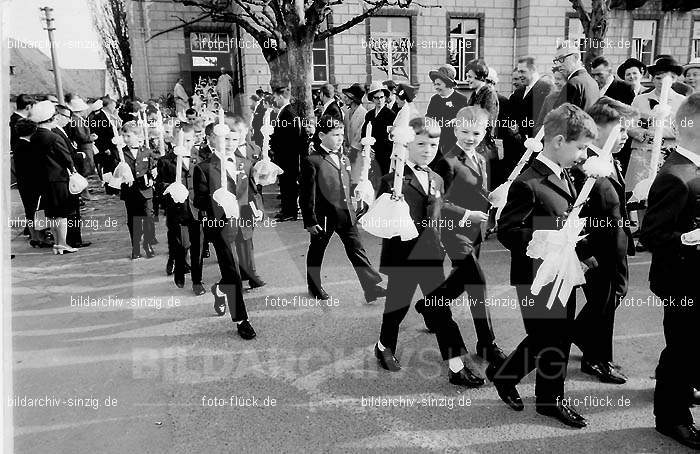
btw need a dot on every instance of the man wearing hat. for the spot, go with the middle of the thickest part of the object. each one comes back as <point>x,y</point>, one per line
<point>580,89</point>
<point>391,101</point>
<point>78,131</point>
<point>354,119</point>
<point>691,74</point>
<point>445,104</point>
<point>381,118</point>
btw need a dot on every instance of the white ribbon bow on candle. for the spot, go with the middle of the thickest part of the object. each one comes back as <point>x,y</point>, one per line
<point>265,172</point>
<point>557,248</point>
<point>178,191</point>
<point>223,196</point>
<point>364,192</point>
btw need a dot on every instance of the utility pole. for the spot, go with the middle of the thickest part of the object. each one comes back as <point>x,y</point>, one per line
<point>48,17</point>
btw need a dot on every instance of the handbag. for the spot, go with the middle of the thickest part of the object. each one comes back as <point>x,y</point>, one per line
<point>76,183</point>
<point>40,220</point>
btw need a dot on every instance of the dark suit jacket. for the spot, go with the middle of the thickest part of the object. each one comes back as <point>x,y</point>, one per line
<point>288,141</point>
<point>206,180</point>
<point>257,122</point>
<point>141,166</point>
<point>14,118</point>
<point>204,152</point>
<point>324,190</point>
<point>580,90</point>
<point>247,189</point>
<point>673,209</point>
<point>609,238</point>
<point>537,200</point>
<point>180,213</point>
<point>55,155</point>
<point>100,125</point>
<point>464,190</point>
<point>620,91</point>
<point>426,249</point>
<point>445,110</point>
<point>383,146</point>
<point>334,111</point>
<point>527,107</point>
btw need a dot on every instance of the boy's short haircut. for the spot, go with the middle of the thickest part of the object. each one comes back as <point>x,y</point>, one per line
<point>569,121</point>
<point>132,127</point>
<point>190,111</point>
<point>688,109</point>
<point>25,127</point>
<point>284,91</point>
<point>209,129</point>
<point>23,101</point>
<point>328,123</point>
<point>236,118</point>
<point>471,115</point>
<point>607,110</point>
<point>423,126</point>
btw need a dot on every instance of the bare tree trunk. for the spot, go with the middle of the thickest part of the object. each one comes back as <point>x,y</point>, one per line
<point>597,29</point>
<point>301,76</point>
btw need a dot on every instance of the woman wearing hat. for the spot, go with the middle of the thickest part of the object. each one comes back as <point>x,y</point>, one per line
<point>691,74</point>
<point>354,119</point>
<point>632,71</point>
<point>381,118</point>
<point>445,104</point>
<point>484,96</point>
<point>643,135</point>
<point>55,165</point>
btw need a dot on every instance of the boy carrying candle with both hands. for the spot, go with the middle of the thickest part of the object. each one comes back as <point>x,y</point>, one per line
<point>418,262</point>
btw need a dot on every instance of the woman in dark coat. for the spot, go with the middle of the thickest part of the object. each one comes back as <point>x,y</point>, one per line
<point>484,96</point>
<point>29,178</point>
<point>54,166</point>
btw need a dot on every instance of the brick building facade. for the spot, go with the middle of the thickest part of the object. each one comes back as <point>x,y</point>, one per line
<point>409,41</point>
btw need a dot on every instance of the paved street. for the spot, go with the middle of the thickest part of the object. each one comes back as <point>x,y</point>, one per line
<point>163,374</point>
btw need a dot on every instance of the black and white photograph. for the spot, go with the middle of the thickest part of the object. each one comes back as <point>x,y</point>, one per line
<point>350,226</point>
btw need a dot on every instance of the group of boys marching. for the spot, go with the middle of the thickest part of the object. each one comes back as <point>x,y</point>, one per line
<point>450,185</point>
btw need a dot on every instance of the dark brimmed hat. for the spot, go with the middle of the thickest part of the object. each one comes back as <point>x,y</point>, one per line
<point>446,73</point>
<point>665,64</point>
<point>355,91</point>
<point>406,92</point>
<point>630,63</point>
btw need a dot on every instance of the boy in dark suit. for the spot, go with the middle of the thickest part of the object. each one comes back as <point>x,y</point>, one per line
<point>539,199</point>
<point>138,197</point>
<point>671,230</point>
<point>608,241</point>
<point>466,203</point>
<point>247,154</point>
<point>220,229</point>
<point>327,208</point>
<point>418,262</point>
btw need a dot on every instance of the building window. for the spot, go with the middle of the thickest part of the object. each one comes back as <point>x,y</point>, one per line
<point>389,47</point>
<point>577,35</point>
<point>696,40</point>
<point>644,40</point>
<point>464,44</point>
<point>320,62</point>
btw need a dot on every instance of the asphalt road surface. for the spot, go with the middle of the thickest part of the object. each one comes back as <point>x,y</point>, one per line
<point>152,369</point>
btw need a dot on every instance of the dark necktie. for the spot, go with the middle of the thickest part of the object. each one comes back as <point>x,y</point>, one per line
<point>419,168</point>
<point>653,103</point>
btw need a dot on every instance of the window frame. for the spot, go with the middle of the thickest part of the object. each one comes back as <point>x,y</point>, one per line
<point>655,41</point>
<point>479,51</point>
<point>413,33</point>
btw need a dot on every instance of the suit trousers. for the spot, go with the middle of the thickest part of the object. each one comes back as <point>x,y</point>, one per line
<point>246,258</point>
<point>223,241</point>
<point>594,326</point>
<point>467,275</point>
<point>139,220</point>
<point>182,237</point>
<point>289,189</point>
<point>74,235</point>
<point>401,285</point>
<point>368,276</point>
<point>546,345</point>
<point>678,370</point>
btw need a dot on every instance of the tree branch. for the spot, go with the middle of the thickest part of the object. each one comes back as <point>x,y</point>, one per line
<point>181,25</point>
<point>352,22</point>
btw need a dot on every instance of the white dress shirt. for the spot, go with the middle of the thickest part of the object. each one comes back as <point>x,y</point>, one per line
<point>692,157</point>
<point>423,177</point>
<point>553,166</point>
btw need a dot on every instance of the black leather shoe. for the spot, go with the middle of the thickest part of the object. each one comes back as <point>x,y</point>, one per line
<point>684,434</point>
<point>198,289</point>
<point>135,256</point>
<point>206,254</point>
<point>375,292</point>
<point>150,253</point>
<point>465,377</point>
<point>256,283</point>
<point>180,282</point>
<point>420,308</point>
<point>492,353</point>
<point>507,392</point>
<point>245,330</point>
<point>219,302</point>
<point>170,267</point>
<point>81,244</point>
<point>285,217</point>
<point>563,412</point>
<point>387,359</point>
<point>605,372</point>
<point>695,397</point>
<point>319,293</point>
